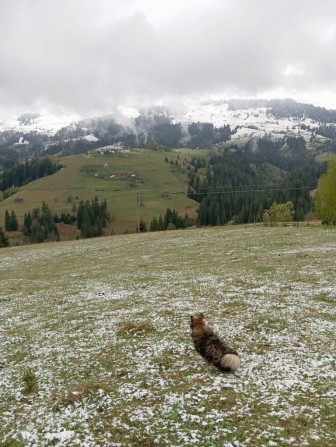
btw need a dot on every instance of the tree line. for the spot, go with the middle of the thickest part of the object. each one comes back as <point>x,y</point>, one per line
<point>40,225</point>
<point>327,131</point>
<point>289,108</point>
<point>11,221</point>
<point>171,221</point>
<point>240,183</point>
<point>24,173</point>
<point>92,217</point>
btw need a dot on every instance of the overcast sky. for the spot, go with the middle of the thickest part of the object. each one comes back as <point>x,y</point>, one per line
<point>90,57</point>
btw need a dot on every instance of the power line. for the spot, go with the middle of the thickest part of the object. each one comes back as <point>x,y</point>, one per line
<point>236,191</point>
<point>156,192</point>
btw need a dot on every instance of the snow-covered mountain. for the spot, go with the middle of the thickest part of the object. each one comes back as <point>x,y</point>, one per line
<point>248,122</point>
<point>43,124</point>
<point>246,118</point>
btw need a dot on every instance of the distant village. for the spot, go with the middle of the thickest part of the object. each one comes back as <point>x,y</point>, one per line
<point>107,151</point>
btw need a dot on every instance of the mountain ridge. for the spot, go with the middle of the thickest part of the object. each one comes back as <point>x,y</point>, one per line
<point>32,121</point>
<point>204,125</point>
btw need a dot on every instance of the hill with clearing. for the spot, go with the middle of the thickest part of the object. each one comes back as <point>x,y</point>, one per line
<point>139,183</point>
<point>96,348</point>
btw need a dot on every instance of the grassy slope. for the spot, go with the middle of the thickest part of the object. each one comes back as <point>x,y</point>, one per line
<point>87,178</point>
<point>103,326</point>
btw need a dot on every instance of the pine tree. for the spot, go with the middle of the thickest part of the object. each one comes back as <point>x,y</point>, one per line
<point>27,222</point>
<point>14,221</point>
<point>154,225</point>
<point>4,242</point>
<point>7,221</point>
<point>11,222</point>
<point>142,226</point>
<point>160,224</point>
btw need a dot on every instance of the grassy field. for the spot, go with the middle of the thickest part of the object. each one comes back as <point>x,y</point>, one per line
<point>141,178</point>
<point>96,349</point>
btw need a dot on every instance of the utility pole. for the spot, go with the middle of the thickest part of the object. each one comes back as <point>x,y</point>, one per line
<point>138,213</point>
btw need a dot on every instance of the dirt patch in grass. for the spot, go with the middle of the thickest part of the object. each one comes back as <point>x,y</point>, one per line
<point>133,328</point>
<point>80,392</point>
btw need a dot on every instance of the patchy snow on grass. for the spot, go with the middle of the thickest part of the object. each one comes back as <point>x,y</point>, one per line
<point>104,327</point>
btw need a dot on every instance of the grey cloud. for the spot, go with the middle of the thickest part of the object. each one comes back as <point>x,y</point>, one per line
<point>88,57</point>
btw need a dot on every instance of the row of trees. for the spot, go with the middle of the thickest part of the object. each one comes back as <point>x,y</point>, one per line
<point>40,225</point>
<point>11,221</point>
<point>22,174</point>
<point>328,131</point>
<point>171,221</point>
<point>287,108</point>
<point>92,218</point>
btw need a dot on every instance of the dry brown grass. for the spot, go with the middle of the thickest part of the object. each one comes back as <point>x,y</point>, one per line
<point>132,328</point>
<point>80,391</point>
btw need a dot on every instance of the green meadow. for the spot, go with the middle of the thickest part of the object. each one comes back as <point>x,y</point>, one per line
<point>138,183</point>
<point>96,349</point>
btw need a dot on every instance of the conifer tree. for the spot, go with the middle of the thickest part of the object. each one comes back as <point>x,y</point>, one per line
<point>14,221</point>
<point>27,222</point>
<point>142,226</point>
<point>92,218</point>
<point>7,221</point>
<point>154,225</point>
<point>11,222</point>
<point>4,242</point>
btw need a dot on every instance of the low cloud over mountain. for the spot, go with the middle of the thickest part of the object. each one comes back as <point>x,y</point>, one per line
<point>84,57</point>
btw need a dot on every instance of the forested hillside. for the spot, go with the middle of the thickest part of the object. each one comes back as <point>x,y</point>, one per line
<point>23,173</point>
<point>238,184</point>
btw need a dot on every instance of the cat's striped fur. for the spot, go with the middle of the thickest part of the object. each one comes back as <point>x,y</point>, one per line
<point>211,347</point>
